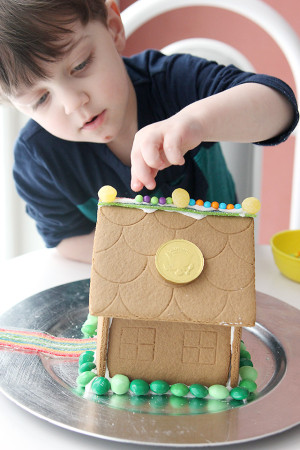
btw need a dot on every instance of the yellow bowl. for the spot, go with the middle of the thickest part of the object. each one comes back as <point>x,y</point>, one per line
<point>285,245</point>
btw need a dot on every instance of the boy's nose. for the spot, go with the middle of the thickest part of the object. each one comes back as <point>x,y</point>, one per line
<point>73,100</point>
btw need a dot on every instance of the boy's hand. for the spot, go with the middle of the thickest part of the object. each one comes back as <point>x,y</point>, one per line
<point>161,145</point>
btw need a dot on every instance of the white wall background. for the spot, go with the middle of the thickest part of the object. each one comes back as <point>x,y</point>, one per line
<point>18,234</point>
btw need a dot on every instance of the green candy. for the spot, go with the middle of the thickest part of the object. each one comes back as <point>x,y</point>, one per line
<point>84,378</point>
<point>239,393</point>
<point>179,389</point>
<point>92,320</point>
<point>248,373</point>
<point>87,356</point>
<point>86,367</point>
<point>245,362</point>
<point>243,346</point>
<point>88,329</point>
<point>100,385</point>
<point>139,387</point>
<point>154,200</point>
<point>139,198</point>
<point>119,384</point>
<point>159,387</point>
<point>218,391</point>
<point>169,200</point>
<point>198,390</point>
<point>249,384</point>
<point>245,354</point>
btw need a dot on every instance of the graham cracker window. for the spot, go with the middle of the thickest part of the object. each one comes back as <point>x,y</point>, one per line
<point>199,347</point>
<point>137,343</point>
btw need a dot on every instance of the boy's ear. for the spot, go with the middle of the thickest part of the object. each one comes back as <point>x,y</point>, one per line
<point>115,25</point>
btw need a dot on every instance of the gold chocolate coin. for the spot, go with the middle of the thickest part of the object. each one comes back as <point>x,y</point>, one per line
<point>179,261</point>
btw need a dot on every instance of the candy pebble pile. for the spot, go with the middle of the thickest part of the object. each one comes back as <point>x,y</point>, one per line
<point>181,199</point>
<point>120,384</point>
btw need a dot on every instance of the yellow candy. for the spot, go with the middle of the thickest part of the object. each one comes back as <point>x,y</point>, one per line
<point>251,205</point>
<point>180,198</point>
<point>107,194</point>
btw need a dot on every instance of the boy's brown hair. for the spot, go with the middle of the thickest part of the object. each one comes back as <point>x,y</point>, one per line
<point>35,31</point>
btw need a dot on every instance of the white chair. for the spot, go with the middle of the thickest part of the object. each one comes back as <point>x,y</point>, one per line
<point>247,182</point>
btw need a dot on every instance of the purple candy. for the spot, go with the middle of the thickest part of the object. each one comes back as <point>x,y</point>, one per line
<point>147,199</point>
<point>162,200</point>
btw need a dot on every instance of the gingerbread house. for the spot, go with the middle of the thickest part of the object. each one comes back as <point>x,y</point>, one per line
<point>172,288</point>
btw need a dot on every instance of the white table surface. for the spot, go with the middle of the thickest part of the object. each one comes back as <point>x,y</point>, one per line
<point>26,275</point>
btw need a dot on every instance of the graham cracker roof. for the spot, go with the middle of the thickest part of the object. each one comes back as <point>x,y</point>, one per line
<point>126,284</point>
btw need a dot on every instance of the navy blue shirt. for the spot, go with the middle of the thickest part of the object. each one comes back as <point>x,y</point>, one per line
<point>59,180</point>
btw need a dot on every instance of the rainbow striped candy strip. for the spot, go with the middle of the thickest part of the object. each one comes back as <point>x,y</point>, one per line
<point>38,342</point>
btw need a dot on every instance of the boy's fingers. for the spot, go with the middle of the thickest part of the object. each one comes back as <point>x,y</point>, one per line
<point>136,185</point>
<point>152,155</point>
<point>172,149</point>
<point>141,173</point>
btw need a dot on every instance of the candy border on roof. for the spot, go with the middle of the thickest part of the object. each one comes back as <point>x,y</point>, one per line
<point>199,210</point>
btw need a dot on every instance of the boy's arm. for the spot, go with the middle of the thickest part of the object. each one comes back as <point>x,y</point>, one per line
<point>249,112</point>
<point>78,248</point>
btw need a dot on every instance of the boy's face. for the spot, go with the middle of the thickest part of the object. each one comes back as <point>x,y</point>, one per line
<point>88,96</point>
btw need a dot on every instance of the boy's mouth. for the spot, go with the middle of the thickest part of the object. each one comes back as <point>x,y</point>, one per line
<point>94,121</point>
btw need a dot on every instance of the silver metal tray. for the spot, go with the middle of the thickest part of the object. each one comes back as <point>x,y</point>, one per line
<point>46,386</point>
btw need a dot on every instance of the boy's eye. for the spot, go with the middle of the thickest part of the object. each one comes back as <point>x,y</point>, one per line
<point>82,65</point>
<point>41,100</point>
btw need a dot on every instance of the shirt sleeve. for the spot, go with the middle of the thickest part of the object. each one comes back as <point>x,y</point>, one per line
<point>55,215</point>
<point>192,77</point>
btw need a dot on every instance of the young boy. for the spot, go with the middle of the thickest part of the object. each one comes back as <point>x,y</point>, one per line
<point>148,122</point>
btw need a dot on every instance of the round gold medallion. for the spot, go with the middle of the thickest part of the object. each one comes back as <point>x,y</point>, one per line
<point>179,261</point>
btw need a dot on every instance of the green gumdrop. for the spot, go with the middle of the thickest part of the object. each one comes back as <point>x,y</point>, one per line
<point>198,390</point>
<point>249,384</point>
<point>179,389</point>
<point>92,320</point>
<point>218,391</point>
<point>239,393</point>
<point>87,356</point>
<point>245,362</point>
<point>139,387</point>
<point>169,200</point>
<point>86,367</point>
<point>119,384</point>
<point>84,378</point>
<point>88,329</point>
<point>248,373</point>
<point>245,354</point>
<point>159,387</point>
<point>243,346</point>
<point>100,385</point>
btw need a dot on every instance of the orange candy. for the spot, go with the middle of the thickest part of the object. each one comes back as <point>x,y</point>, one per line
<point>200,202</point>
<point>230,206</point>
<point>215,205</point>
